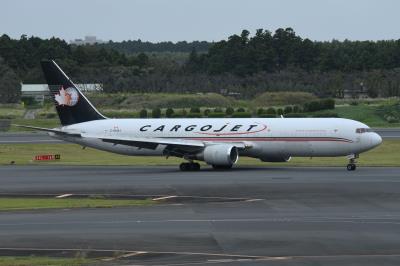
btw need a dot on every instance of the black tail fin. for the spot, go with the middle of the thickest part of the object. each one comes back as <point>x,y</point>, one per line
<point>71,105</point>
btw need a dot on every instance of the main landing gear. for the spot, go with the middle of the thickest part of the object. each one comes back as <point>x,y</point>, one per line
<point>222,167</point>
<point>191,166</point>
<point>352,162</point>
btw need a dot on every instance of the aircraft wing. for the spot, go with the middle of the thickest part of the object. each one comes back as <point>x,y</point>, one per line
<point>152,143</point>
<point>172,145</point>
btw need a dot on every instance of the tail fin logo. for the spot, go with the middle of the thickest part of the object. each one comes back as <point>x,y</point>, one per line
<point>68,97</point>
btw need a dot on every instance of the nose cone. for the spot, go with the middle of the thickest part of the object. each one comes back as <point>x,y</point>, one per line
<point>375,139</point>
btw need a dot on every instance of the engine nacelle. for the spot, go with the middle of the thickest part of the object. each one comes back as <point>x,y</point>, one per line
<point>276,159</point>
<point>220,155</point>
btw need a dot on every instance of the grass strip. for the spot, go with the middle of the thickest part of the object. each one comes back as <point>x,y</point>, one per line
<point>10,204</point>
<point>386,154</point>
<point>43,261</point>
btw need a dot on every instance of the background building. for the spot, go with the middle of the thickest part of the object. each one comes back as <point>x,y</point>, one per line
<point>87,40</point>
<point>360,92</point>
<point>39,92</point>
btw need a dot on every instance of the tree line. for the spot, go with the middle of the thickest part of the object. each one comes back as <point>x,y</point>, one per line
<point>24,56</point>
<point>20,61</point>
<point>308,109</point>
<point>243,64</point>
<point>138,46</point>
<point>273,52</point>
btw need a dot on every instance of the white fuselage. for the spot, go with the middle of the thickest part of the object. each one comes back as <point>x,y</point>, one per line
<point>266,137</point>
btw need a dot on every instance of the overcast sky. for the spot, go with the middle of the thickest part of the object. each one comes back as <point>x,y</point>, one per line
<point>176,20</point>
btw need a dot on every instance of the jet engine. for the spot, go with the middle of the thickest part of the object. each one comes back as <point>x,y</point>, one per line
<point>220,155</point>
<point>276,159</point>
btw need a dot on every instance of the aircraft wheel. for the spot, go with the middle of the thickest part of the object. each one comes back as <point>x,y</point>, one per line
<point>195,166</point>
<point>222,167</point>
<point>351,167</point>
<point>189,166</point>
<point>184,167</point>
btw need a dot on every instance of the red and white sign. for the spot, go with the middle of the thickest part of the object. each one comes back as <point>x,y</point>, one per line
<point>47,157</point>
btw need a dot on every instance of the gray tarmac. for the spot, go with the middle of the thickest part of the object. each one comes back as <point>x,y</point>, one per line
<point>41,137</point>
<point>26,137</point>
<point>284,215</point>
<point>388,133</point>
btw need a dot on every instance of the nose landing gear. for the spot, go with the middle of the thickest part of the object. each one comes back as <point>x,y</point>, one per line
<point>351,167</point>
<point>352,162</point>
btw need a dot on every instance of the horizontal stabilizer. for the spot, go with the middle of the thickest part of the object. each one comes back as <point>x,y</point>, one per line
<point>50,130</point>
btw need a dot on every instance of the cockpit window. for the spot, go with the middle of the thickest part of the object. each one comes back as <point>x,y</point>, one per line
<point>363,130</point>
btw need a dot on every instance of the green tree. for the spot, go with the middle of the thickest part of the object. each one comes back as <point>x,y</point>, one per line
<point>288,109</point>
<point>156,113</point>
<point>312,106</point>
<point>143,113</point>
<point>284,42</point>
<point>195,110</point>
<point>229,111</point>
<point>184,112</point>
<point>271,111</point>
<point>169,112</point>
<point>193,63</point>
<point>142,60</point>
<point>329,104</point>
<point>10,91</point>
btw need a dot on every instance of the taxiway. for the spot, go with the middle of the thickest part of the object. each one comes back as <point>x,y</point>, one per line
<point>285,216</point>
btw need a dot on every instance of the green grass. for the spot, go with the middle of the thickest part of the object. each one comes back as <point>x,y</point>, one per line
<point>121,113</point>
<point>364,113</point>
<point>25,153</point>
<point>11,204</point>
<point>386,154</point>
<point>44,261</point>
<point>376,101</point>
<point>282,98</point>
<point>11,112</point>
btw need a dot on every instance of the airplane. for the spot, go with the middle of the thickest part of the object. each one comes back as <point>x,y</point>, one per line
<point>217,141</point>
